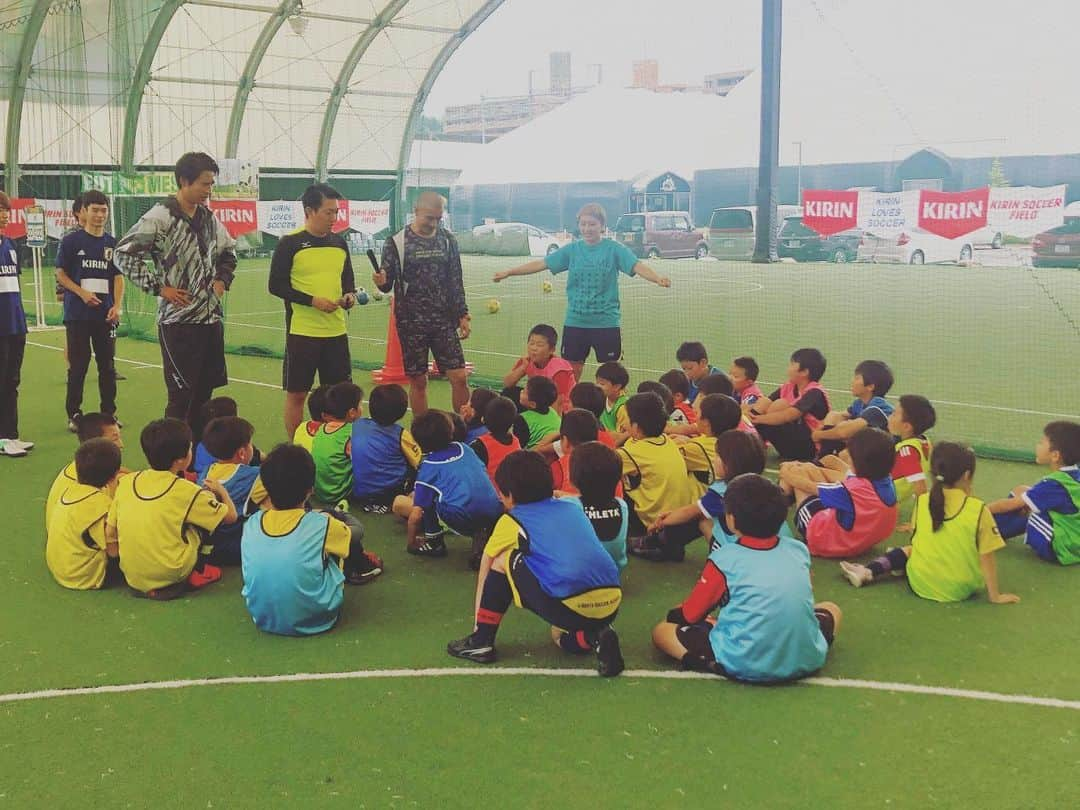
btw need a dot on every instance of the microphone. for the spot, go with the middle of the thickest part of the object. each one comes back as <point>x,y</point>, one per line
<point>374,261</point>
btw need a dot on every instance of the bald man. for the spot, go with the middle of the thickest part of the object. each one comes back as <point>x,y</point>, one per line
<point>429,300</point>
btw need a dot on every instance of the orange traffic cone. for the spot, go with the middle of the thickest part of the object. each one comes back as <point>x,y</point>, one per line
<point>393,370</point>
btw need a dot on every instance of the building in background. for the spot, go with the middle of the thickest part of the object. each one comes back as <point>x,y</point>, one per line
<point>561,82</point>
<point>646,74</point>
<point>720,84</point>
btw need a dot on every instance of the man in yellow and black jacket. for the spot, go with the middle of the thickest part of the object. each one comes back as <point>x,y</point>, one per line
<point>312,272</point>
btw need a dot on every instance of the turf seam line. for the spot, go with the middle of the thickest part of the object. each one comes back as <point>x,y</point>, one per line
<point>441,672</point>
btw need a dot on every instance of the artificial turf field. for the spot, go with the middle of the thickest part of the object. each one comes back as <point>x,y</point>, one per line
<point>539,740</point>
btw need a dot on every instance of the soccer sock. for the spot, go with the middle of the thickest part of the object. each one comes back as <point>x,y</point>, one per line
<point>892,560</point>
<point>495,600</point>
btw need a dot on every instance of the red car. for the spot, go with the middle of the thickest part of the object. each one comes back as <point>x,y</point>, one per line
<point>1058,247</point>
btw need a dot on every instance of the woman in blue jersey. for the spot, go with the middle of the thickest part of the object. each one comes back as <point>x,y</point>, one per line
<point>592,288</point>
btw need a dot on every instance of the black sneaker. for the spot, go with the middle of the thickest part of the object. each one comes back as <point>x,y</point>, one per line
<point>118,376</point>
<point>471,651</point>
<point>375,508</point>
<point>367,567</point>
<point>609,660</point>
<point>73,421</point>
<point>649,548</point>
<point>432,547</point>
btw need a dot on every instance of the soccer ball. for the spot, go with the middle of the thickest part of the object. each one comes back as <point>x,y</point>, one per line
<point>362,296</point>
<point>547,286</point>
<point>377,295</point>
<point>493,305</point>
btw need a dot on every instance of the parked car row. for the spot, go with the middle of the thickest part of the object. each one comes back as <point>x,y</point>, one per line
<point>731,232</point>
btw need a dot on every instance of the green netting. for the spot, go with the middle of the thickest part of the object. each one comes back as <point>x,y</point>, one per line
<point>976,340</point>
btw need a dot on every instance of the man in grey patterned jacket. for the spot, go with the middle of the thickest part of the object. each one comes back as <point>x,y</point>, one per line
<point>179,252</point>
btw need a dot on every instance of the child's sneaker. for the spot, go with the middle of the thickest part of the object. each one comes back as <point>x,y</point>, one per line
<point>471,651</point>
<point>431,547</point>
<point>368,567</point>
<point>609,660</point>
<point>857,575</point>
<point>169,592</point>
<point>73,421</point>
<point>10,447</point>
<point>208,575</point>
<point>650,548</point>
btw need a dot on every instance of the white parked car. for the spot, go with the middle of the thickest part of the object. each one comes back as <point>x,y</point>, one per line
<point>541,243</point>
<point>914,246</point>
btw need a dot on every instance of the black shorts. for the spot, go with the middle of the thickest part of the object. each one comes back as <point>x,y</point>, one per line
<point>193,356</point>
<point>418,338</point>
<point>701,658</point>
<point>578,341</point>
<point>556,612</point>
<point>807,509</point>
<point>306,355</point>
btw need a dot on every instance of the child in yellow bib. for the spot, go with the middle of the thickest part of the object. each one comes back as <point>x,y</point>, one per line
<point>951,556</point>
<point>77,551</point>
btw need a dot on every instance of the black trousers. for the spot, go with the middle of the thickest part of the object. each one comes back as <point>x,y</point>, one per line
<point>791,440</point>
<point>12,349</point>
<point>82,336</point>
<point>193,358</point>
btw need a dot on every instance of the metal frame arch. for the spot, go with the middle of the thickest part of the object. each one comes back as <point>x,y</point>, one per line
<point>18,94</point>
<point>251,68</point>
<point>409,135</point>
<point>341,86</point>
<point>133,108</point>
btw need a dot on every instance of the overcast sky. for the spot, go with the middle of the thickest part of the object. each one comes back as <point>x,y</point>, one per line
<point>913,46</point>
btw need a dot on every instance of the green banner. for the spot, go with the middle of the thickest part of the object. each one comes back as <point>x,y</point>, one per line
<point>144,184</point>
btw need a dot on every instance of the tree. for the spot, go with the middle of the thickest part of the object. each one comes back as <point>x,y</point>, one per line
<point>997,174</point>
<point>429,125</point>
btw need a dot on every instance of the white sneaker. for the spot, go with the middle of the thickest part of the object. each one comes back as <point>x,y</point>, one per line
<point>857,575</point>
<point>9,448</point>
<point>21,444</point>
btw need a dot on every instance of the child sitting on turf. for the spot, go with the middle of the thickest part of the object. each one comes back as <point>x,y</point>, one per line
<point>841,514</point>
<point>694,361</point>
<point>228,440</point>
<point>295,560</point>
<point>561,573</point>
<point>716,413</point>
<point>744,373</point>
<point>655,478</point>
<point>384,454</point>
<point>499,441</point>
<point>78,553</point>
<point>214,409</point>
<point>612,378</point>
<point>91,426</point>
<point>540,361</point>
<point>305,431</point>
<point>585,395</point>
<point>578,426</point>
<point>452,489</point>
<point>679,385</point>
<point>908,423</point>
<point>538,418</point>
<point>768,629</point>
<point>787,417</point>
<point>735,453</point>
<point>871,383</point>
<point>951,555</point>
<point>332,445</point>
<point>160,519</point>
<point>473,412</point>
<point>596,472</point>
<point>1048,513</point>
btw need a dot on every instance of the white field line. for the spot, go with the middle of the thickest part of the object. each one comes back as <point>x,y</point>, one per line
<point>449,672</point>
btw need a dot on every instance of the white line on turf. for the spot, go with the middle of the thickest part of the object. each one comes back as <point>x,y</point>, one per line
<point>446,672</point>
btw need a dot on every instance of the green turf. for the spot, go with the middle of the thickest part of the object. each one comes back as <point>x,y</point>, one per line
<point>548,740</point>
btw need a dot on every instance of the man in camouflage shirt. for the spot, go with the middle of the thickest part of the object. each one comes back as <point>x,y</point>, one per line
<point>192,260</point>
<point>429,300</point>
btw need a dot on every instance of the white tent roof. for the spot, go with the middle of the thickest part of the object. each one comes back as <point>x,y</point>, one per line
<point>836,106</point>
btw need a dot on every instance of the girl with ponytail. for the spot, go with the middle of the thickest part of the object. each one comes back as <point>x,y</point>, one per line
<point>954,538</point>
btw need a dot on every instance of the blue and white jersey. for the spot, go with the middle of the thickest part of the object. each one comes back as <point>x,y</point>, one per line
<point>456,483</point>
<point>87,261</point>
<point>12,314</point>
